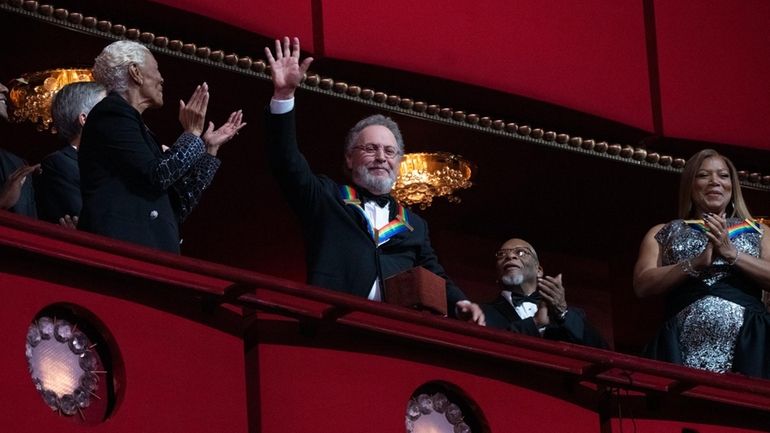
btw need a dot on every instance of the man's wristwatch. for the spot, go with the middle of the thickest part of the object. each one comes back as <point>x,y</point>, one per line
<point>560,314</point>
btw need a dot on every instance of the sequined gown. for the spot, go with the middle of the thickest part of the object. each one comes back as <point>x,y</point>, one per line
<point>717,321</point>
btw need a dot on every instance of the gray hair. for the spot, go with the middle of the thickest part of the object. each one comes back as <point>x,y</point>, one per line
<point>69,102</point>
<point>377,119</point>
<point>111,66</point>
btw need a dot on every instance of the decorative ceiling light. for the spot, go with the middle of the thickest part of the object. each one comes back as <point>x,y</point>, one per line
<point>31,94</point>
<point>434,413</point>
<point>64,369</point>
<point>427,175</point>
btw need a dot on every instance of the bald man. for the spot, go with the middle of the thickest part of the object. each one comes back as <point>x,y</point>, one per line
<point>533,303</point>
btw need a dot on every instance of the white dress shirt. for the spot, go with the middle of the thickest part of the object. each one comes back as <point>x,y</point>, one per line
<point>525,310</point>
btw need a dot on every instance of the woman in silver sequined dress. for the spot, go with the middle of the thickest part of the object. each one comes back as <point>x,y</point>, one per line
<point>711,267</point>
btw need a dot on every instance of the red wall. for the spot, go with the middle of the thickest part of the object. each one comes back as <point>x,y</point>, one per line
<point>602,57</point>
<point>714,64</point>
<point>301,359</point>
<point>353,379</point>
<point>180,375</point>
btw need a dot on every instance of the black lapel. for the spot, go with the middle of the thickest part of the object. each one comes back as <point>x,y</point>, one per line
<point>356,216</point>
<point>506,309</point>
<point>153,140</point>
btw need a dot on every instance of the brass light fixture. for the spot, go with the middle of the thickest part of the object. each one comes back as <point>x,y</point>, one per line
<point>31,94</point>
<point>427,175</point>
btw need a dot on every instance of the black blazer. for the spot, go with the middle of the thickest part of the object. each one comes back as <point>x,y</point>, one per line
<point>500,314</point>
<point>131,190</point>
<point>58,187</point>
<point>340,253</point>
<point>26,204</point>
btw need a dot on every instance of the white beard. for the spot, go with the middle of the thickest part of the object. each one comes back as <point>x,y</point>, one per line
<point>512,280</point>
<point>375,184</point>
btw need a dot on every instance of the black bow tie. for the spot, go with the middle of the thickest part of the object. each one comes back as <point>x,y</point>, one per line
<point>381,200</point>
<point>517,298</point>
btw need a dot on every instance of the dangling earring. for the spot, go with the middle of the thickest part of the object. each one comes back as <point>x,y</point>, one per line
<point>732,212</point>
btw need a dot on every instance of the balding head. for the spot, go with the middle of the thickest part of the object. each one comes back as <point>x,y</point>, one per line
<point>518,267</point>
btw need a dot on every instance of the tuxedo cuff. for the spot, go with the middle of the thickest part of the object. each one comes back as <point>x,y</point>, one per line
<point>281,106</point>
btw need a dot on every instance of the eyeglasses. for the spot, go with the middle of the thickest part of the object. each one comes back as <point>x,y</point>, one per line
<point>519,252</point>
<point>372,149</point>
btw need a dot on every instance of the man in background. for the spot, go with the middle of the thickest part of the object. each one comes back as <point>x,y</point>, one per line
<point>58,187</point>
<point>17,194</point>
<point>533,303</point>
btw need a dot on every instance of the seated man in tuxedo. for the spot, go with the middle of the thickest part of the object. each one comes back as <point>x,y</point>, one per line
<point>16,192</point>
<point>58,187</point>
<point>356,235</point>
<point>533,303</point>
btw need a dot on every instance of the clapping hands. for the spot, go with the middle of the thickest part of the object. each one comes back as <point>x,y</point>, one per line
<point>719,236</point>
<point>214,138</point>
<point>11,189</point>
<point>192,115</point>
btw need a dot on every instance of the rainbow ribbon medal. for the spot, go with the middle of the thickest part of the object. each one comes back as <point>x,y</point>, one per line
<point>397,225</point>
<point>745,226</point>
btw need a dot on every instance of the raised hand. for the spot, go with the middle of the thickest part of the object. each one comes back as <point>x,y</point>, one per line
<point>11,191</point>
<point>286,70</point>
<point>192,115</point>
<point>217,137</point>
<point>552,291</point>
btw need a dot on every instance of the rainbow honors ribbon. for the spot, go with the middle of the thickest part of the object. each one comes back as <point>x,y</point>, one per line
<point>397,225</point>
<point>745,226</point>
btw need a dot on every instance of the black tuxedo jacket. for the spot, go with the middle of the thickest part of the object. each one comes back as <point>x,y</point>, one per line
<point>131,190</point>
<point>574,329</point>
<point>26,204</point>
<point>340,254</point>
<point>58,187</point>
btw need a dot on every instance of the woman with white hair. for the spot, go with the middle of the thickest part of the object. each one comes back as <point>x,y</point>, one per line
<point>132,189</point>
